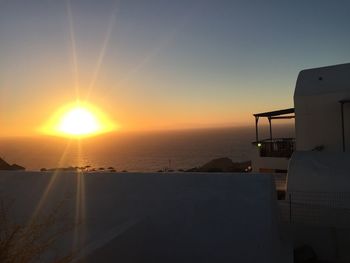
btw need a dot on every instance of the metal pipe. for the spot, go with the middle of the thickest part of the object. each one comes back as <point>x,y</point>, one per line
<point>342,124</point>
<point>290,208</point>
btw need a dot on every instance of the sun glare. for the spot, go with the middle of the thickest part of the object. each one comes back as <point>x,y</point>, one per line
<point>78,120</point>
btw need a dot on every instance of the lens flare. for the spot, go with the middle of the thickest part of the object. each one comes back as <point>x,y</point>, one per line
<point>78,120</point>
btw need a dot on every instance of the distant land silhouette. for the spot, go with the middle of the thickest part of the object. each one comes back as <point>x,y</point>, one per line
<point>218,165</point>
<point>6,166</point>
<point>222,165</point>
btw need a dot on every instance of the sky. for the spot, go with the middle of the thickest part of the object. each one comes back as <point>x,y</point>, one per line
<point>161,64</point>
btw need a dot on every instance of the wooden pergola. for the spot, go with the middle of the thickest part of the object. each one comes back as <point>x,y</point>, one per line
<point>273,115</point>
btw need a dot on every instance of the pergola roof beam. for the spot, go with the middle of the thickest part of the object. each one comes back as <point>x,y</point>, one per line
<point>275,113</point>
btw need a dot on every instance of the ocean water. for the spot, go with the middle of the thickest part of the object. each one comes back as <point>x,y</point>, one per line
<point>141,152</point>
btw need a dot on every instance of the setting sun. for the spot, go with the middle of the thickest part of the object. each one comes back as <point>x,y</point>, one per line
<point>78,120</point>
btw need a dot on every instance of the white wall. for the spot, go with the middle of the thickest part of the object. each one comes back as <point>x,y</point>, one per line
<point>319,182</point>
<point>319,172</point>
<point>319,188</point>
<point>144,217</point>
<point>317,108</point>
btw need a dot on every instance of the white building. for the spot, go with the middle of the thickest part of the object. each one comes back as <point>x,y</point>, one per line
<point>322,119</point>
<point>316,208</point>
<point>318,183</point>
<point>322,109</point>
<point>322,126</point>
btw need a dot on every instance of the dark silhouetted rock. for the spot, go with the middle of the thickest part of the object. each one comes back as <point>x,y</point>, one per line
<point>6,166</point>
<point>17,167</point>
<point>224,165</point>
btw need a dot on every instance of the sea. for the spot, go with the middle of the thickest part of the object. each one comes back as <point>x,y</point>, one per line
<point>136,151</point>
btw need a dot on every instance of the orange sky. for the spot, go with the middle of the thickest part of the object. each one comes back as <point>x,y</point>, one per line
<point>150,65</point>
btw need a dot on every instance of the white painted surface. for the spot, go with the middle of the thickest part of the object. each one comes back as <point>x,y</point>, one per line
<point>317,108</point>
<point>158,217</point>
<point>318,182</point>
<point>319,172</point>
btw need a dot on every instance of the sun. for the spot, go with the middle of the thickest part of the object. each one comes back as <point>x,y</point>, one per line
<point>78,120</point>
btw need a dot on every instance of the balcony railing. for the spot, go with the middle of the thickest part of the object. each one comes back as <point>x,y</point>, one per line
<point>281,147</point>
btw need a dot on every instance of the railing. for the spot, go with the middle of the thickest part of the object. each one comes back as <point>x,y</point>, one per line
<point>282,147</point>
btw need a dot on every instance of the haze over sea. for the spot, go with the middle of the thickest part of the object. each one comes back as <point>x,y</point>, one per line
<point>142,152</point>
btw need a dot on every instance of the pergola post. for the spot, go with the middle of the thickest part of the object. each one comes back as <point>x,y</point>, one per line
<point>269,118</point>
<point>256,129</point>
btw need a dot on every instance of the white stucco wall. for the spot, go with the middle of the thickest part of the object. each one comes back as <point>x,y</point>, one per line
<point>318,187</point>
<point>317,108</point>
<point>145,217</point>
<point>318,182</point>
<point>320,172</point>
